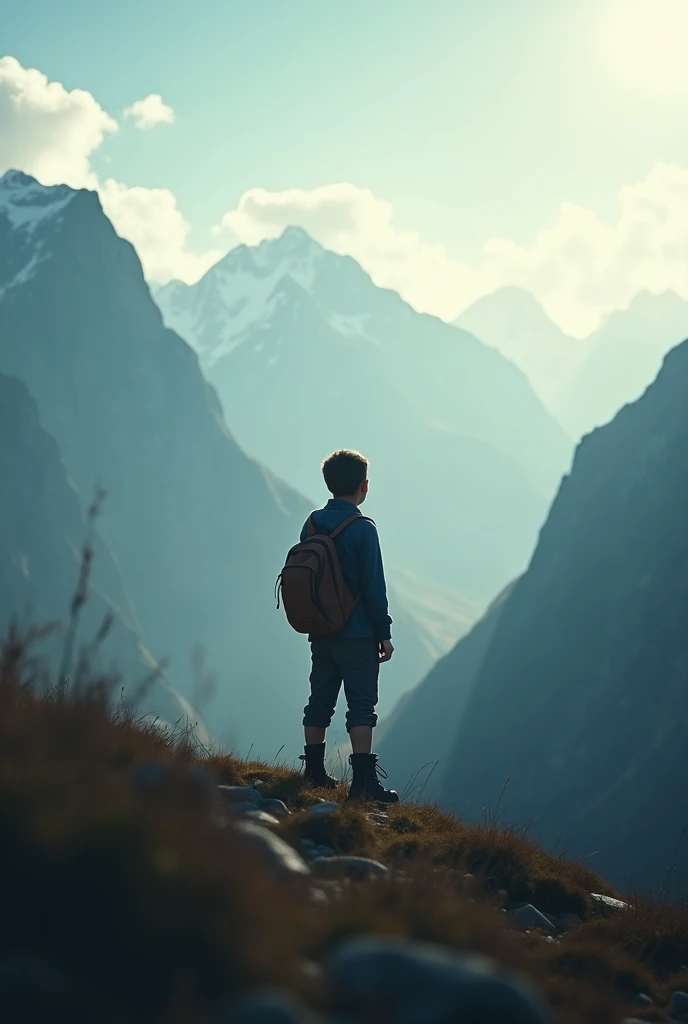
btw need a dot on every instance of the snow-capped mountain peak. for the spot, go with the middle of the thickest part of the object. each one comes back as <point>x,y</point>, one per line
<point>26,203</point>
<point>240,291</point>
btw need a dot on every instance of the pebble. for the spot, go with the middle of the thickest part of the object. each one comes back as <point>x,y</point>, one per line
<point>261,817</point>
<point>276,807</point>
<point>418,983</point>
<point>678,1007</point>
<point>357,868</point>
<point>530,917</point>
<point>609,901</point>
<point>324,851</point>
<point>240,795</point>
<point>280,859</point>
<point>327,807</point>
<point>642,999</point>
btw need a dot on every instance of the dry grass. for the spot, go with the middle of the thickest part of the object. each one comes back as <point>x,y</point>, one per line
<point>149,910</point>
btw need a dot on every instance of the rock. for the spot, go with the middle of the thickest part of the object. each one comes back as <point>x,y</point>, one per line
<point>269,1007</point>
<point>261,817</point>
<point>307,844</point>
<point>678,1007</point>
<point>240,795</point>
<point>609,901</point>
<point>567,921</point>
<point>642,999</point>
<point>418,983</point>
<point>530,917</point>
<point>327,807</point>
<point>276,807</point>
<point>277,856</point>
<point>324,851</point>
<point>357,868</point>
<point>240,810</point>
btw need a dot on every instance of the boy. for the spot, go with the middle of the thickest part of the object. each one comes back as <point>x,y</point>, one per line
<point>352,655</point>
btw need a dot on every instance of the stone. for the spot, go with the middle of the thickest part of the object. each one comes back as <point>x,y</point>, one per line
<point>642,999</point>
<point>269,1007</point>
<point>276,807</point>
<point>609,902</point>
<point>327,807</point>
<point>357,868</point>
<point>278,857</point>
<point>239,810</point>
<point>567,921</point>
<point>528,917</point>
<point>324,851</point>
<point>307,844</point>
<point>240,795</point>
<point>678,1007</point>
<point>407,982</point>
<point>261,817</point>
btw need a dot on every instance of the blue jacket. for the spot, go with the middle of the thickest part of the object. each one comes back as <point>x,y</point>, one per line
<point>360,557</point>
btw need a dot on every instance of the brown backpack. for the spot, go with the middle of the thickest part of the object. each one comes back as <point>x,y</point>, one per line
<point>314,594</point>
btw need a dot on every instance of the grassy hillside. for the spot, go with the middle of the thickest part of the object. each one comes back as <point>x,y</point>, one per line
<point>130,895</point>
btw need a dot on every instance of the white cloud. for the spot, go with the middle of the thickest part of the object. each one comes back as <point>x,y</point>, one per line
<point>47,130</point>
<point>52,133</point>
<point>150,111</point>
<point>152,221</point>
<point>579,267</point>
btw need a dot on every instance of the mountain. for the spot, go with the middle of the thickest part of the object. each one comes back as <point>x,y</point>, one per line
<point>582,698</point>
<point>308,355</point>
<point>624,358</point>
<point>416,740</point>
<point>513,321</point>
<point>42,533</point>
<point>198,530</point>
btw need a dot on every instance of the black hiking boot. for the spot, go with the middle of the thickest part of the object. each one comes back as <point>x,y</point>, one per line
<point>313,758</point>
<point>365,784</point>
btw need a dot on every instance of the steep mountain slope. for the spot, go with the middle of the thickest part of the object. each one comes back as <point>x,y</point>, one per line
<point>624,358</point>
<point>582,699</point>
<point>513,321</point>
<point>42,532</point>
<point>417,739</point>
<point>308,355</point>
<point>199,530</point>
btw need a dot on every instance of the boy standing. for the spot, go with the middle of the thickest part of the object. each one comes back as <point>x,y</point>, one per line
<point>352,655</point>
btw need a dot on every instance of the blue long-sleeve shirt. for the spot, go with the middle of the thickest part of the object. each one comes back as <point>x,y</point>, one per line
<point>360,557</point>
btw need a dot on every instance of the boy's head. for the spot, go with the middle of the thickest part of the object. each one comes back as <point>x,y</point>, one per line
<point>346,475</point>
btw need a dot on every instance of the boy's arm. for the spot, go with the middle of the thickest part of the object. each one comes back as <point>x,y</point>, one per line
<point>373,581</point>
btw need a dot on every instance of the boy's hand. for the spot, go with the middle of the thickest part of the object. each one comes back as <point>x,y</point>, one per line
<point>386,650</point>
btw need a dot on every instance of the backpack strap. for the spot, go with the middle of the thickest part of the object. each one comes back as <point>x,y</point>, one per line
<point>347,522</point>
<point>310,527</point>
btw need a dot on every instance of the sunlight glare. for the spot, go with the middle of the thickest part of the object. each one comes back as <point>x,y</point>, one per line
<point>645,42</point>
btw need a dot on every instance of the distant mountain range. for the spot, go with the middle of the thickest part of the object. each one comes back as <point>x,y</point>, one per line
<point>513,321</point>
<point>624,358</point>
<point>196,529</point>
<point>570,699</point>
<point>308,355</point>
<point>583,383</point>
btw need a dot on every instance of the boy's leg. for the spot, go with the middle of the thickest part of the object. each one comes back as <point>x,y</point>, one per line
<point>326,682</point>
<point>359,664</point>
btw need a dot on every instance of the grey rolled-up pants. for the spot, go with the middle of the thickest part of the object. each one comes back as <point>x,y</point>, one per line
<point>353,662</point>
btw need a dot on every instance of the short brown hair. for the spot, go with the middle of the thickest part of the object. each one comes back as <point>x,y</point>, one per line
<point>344,472</point>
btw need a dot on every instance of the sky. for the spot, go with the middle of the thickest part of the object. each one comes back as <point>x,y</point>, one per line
<point>451,147</point>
